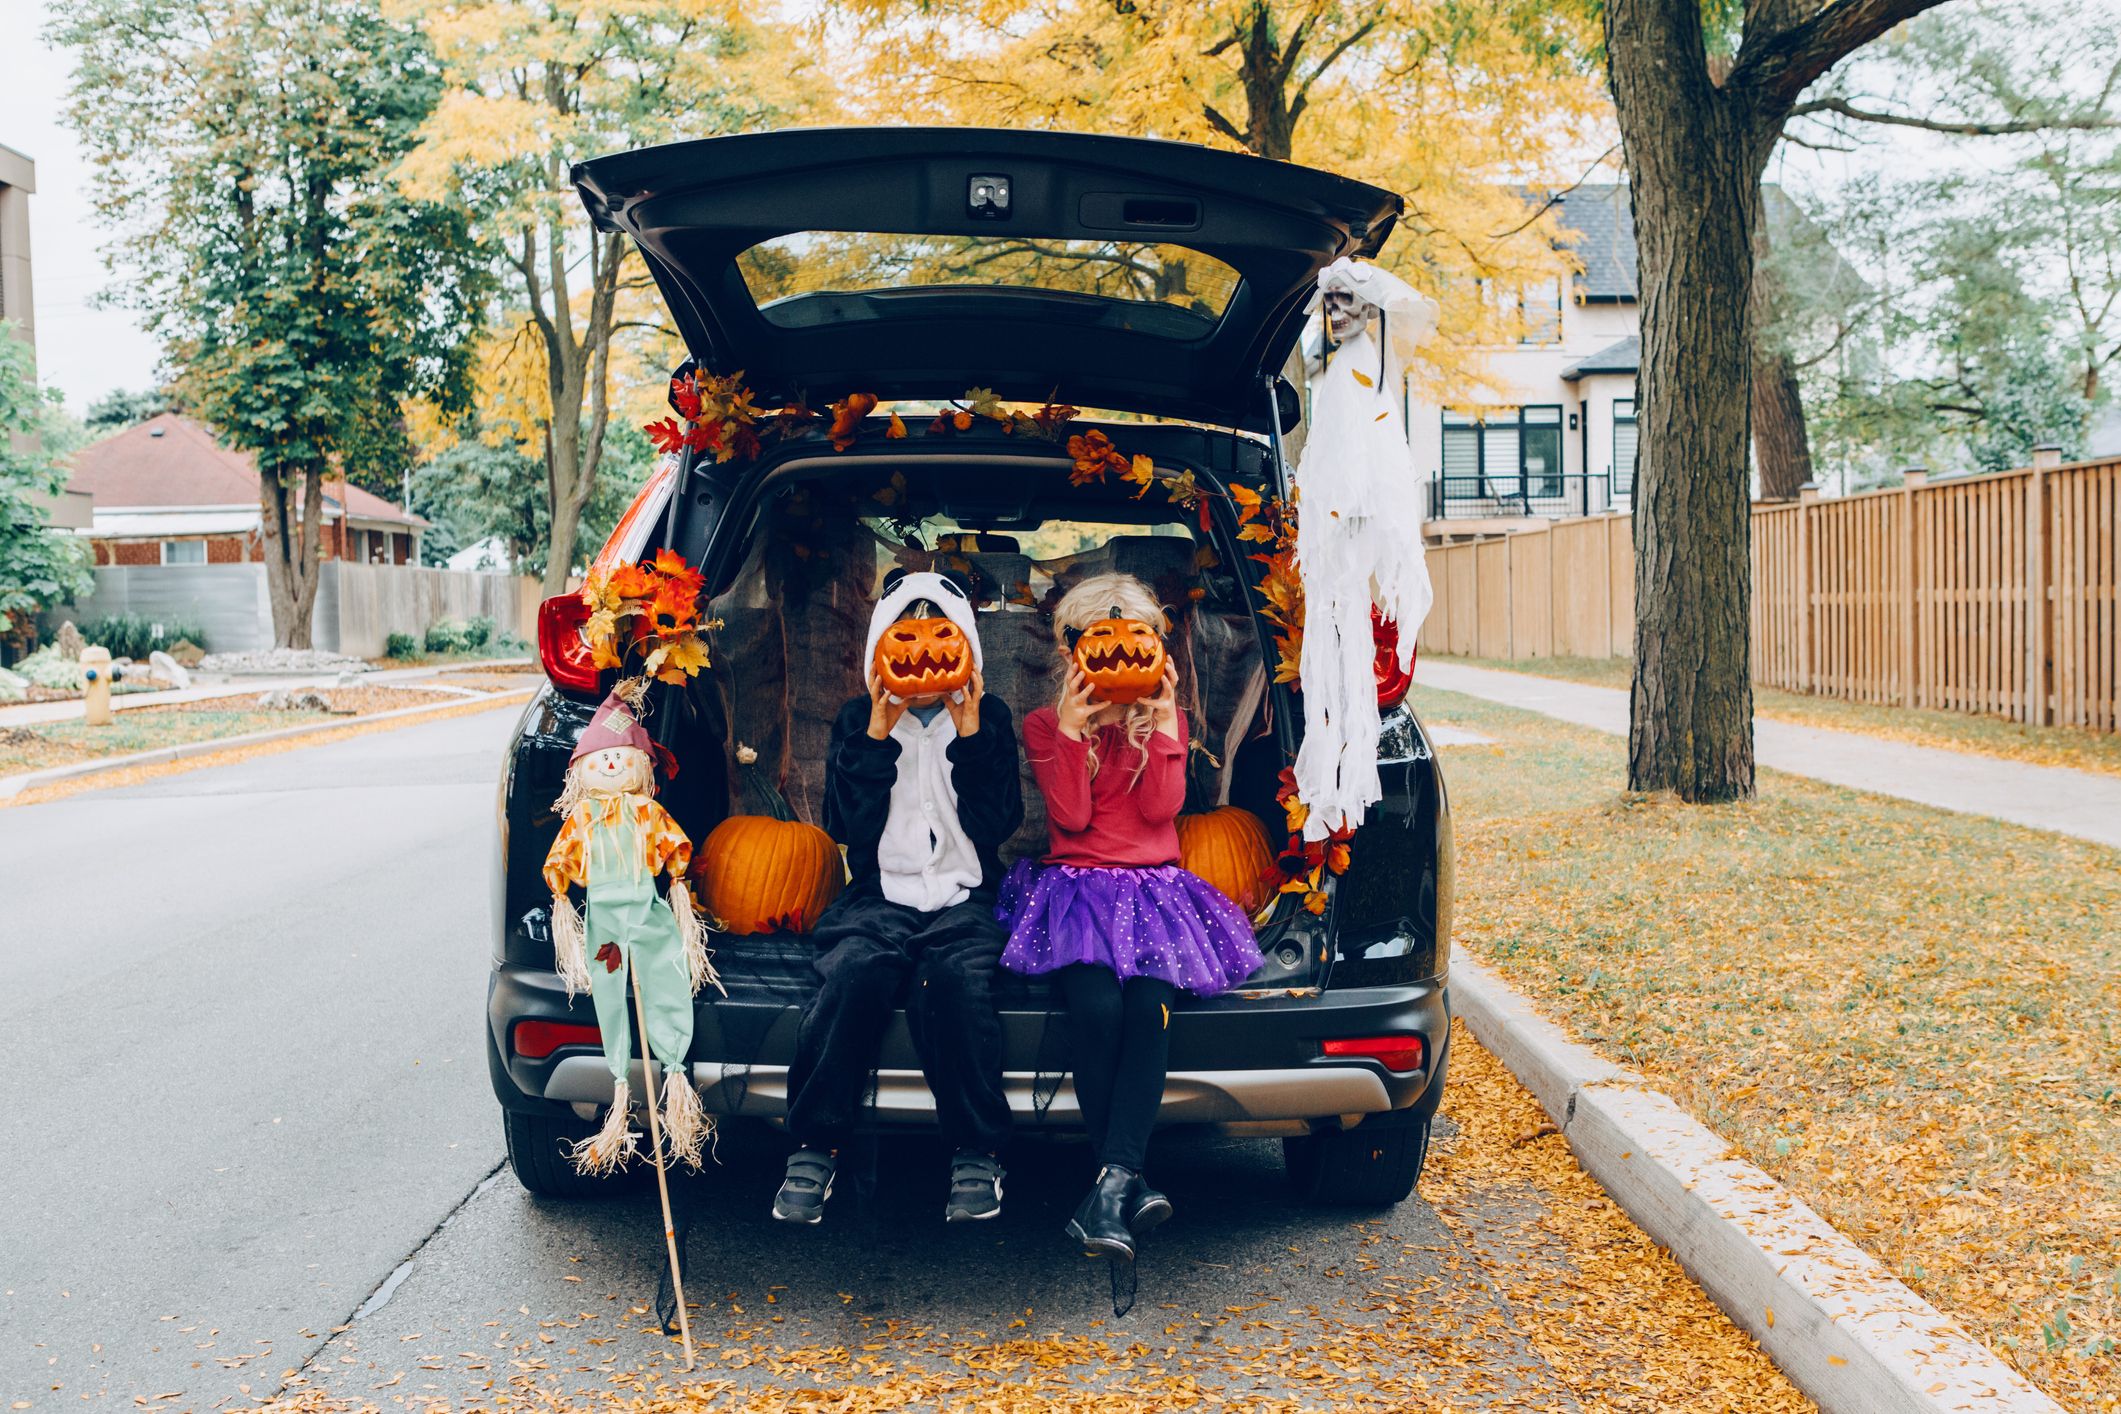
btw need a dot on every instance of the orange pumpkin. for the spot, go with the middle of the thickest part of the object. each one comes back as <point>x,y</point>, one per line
<point>1122,658</point>
<point>923,658</point>
<point>1230,849</point>
<point>756,874</point>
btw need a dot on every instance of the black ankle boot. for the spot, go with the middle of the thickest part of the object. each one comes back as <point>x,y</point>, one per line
<point>1146,1207</point>
<point>1100,1223</point>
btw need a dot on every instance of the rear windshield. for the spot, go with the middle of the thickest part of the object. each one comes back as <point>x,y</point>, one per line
<point>861,262</point>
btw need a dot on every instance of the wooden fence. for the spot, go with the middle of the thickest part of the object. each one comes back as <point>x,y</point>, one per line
<point>1993,594</point>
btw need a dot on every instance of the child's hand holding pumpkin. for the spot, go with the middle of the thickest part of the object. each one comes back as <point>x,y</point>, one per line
<point>1077,704</point>
<point>884,710</point>
<point>963,705</point>
<point>1165,701</point>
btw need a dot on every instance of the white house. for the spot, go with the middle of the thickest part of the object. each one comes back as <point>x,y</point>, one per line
<point>1559,438</point>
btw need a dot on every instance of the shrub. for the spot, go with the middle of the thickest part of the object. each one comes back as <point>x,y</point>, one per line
<point>444,636</point>
<point>401,646</point>
<point>131,636</point>
<point>478,633</point>
<point>48,667</point>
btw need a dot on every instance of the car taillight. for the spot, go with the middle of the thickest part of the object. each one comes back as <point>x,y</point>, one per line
<point>1392,683</point>
<point>535,1040</point>
<point>561,647</point>
<point>1396,1053</point>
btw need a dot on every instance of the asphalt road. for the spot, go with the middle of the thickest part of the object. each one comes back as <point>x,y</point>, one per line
<point>240,1031</point>
<point>252,1148</point>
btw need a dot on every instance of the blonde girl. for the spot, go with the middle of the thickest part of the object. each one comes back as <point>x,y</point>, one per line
<point>1109,913</point>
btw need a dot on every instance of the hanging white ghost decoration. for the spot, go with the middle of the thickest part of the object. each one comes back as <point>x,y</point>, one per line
<point>1358,534</point>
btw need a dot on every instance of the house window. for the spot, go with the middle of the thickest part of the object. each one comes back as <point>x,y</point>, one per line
<point>1623,449</point>
<point>1512,453</point>
<point>184,552</point>
<point>1534,308</point>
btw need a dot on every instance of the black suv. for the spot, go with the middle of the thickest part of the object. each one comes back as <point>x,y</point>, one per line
<point>1163,285</point>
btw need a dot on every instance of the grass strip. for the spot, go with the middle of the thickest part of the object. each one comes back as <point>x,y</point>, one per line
<point>2074,747</point>
<point>1911,1018</point>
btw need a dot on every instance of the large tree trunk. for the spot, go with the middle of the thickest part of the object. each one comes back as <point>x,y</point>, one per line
<point>293,516</point>
<point>577,374</point>
<point>1782,443</point>
<point>1696,147</point>
<point>566,483</point>
<point>1782,447</point>
<point>1695,159</point>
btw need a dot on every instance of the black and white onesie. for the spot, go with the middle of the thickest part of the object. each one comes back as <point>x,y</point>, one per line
<point>923,814</point>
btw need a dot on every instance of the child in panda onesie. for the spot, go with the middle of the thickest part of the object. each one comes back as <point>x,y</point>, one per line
<point>921,793</point>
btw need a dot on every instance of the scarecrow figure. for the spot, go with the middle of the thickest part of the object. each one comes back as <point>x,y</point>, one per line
<point>1358,535</point>
<point>613,841</point>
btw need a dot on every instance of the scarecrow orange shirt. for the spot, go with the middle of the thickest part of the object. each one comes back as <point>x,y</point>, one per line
<point>663,844</point>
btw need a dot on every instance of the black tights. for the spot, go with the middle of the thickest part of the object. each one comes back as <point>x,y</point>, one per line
<point>1122,1045</point>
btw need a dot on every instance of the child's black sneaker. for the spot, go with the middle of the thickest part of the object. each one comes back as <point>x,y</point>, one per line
<point>805,1187</point>
<point>975,1188</point>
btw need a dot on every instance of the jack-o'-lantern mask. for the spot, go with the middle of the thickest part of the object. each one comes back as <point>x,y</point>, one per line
<point>1122,658</point>
<point>923,658</point>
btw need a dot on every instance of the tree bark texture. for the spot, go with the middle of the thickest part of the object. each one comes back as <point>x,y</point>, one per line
<point>1782,446</point>
<point>577,377</point>
<point>1696,148</point>
<point>292,509</point>
<point>1782,441</point>
<point>1695,158</point>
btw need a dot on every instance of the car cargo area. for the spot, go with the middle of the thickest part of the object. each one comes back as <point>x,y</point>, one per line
<point>793,606</point>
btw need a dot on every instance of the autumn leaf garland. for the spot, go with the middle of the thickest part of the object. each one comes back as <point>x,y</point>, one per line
<point>721,420</point>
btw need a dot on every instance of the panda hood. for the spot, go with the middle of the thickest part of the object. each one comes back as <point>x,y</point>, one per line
<point>909,590</point>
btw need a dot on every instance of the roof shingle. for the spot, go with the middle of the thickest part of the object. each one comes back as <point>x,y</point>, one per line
<point>1603,221</point>
<point>170,460</point>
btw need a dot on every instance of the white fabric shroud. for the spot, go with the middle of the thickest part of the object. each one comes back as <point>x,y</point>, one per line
<point>1358,542</point>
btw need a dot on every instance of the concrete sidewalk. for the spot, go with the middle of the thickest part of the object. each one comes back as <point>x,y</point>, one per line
<point>2080,803</point>
<point>30,714</point>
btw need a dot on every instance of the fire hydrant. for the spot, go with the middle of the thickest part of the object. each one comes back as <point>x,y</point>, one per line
<point>95,677</point>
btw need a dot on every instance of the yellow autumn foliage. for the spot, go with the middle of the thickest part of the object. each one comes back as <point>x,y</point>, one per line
<point>1459,106</point>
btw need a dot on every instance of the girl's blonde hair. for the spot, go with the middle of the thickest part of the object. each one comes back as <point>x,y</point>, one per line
<point>1111,596</point>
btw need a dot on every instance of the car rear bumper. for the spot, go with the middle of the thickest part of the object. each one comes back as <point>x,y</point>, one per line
<point>1242,1063</point>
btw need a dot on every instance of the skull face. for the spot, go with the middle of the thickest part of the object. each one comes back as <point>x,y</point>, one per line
<point>923,658</point>
<point>1123,659</point>
<point>1345,314</point>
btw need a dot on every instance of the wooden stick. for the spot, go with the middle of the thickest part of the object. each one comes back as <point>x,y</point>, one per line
<point>655,1144</point>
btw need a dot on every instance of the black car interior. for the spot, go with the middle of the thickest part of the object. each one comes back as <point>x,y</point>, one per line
<point>794,615</point>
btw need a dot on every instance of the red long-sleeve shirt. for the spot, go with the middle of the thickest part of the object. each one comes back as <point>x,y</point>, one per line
<point>1113,819</point>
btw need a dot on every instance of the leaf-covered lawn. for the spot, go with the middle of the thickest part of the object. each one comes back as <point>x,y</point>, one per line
<point>1911,1018</point>
<point>1953,731</point>
<point>44,744</point>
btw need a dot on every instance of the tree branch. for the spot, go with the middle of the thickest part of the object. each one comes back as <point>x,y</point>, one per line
<point>1221,124</point>
<point>1841,107</point>
<point>1780,69</point>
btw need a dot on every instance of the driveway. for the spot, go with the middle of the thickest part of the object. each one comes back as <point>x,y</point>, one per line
<point>256,1152</point>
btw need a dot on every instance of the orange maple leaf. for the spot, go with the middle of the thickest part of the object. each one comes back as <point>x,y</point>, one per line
<point>847,415</point>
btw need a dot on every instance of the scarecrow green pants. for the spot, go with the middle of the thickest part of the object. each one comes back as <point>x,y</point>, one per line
<point>627,925</point>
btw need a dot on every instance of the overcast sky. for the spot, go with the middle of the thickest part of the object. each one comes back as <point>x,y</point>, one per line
<point>82,351</point>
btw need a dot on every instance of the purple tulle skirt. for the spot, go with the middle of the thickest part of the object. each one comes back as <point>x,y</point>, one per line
<point>1161,921</point>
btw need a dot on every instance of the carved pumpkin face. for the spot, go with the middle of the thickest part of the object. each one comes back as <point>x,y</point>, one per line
<point>1122,658</point>
<point>923,658</point>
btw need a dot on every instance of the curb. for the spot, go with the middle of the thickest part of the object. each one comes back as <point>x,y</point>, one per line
<point>1831,1317</point>
<point>11,786</point>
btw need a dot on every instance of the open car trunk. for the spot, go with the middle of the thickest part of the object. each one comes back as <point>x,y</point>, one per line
<point>1109,272</point>
<point>793,599</point>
